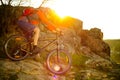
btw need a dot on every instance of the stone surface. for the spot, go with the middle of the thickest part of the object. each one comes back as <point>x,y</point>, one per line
<point>95,65</point>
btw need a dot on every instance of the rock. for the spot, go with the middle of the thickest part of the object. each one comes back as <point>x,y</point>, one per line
<point>22,70</point>
<point>93,39</point>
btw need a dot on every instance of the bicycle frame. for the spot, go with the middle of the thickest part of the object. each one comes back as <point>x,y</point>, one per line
<point>52,40</point>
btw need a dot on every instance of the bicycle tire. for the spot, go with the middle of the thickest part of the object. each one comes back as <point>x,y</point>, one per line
<point>63,61</point>
<point>13,47</point>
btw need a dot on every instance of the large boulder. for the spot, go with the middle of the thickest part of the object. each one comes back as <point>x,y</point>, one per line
<point>93,39</point>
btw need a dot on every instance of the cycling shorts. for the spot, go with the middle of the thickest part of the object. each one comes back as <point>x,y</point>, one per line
<point>25,26</point>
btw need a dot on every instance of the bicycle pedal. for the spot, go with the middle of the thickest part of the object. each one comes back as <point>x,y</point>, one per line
<point>17,56</point>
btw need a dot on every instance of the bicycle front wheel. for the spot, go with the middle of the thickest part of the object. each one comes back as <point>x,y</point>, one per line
<point>58,61</point>
<point>16,47</point>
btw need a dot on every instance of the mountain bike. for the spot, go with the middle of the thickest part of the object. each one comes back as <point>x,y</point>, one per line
<point>18,47</point>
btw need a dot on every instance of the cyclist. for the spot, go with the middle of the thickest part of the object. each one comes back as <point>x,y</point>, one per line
<point>29,21</point>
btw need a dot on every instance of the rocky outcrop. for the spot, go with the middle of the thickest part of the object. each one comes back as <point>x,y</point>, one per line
<point>27,69</point>
<point>83,43</point>
<point>21,70</point>
<point>93,40</point>
<point>94,64</point>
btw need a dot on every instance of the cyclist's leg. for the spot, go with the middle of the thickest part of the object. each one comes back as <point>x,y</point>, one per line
<point>29,28</point>
<point>35,38</point>
<point>36,35</point>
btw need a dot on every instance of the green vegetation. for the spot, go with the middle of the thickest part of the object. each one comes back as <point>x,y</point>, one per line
<point>115,49</point>
<point>79,60</point>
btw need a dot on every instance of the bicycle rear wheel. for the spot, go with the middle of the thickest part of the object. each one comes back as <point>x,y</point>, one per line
<point>58,61</point>
<point>16,47</point>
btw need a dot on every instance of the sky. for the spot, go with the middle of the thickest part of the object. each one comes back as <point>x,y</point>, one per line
<point>103,14</point>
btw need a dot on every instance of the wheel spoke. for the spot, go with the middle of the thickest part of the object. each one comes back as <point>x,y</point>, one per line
<point>13,47</point>
<point>60,63</point>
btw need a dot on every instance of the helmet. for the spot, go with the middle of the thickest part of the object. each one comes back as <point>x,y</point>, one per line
<point>27,11</point>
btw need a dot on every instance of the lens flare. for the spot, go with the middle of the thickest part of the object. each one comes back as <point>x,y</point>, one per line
<point>56,67</point>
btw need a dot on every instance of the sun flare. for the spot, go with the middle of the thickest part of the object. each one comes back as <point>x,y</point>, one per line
<point>62,8</point>
<point>91,13</point>
<point>60,12</point>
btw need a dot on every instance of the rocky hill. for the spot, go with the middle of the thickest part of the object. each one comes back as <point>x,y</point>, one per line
<point>90,57</point>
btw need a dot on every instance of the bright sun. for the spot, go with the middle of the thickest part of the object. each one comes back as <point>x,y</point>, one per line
<point>62,9</point>
<point>60,12</point>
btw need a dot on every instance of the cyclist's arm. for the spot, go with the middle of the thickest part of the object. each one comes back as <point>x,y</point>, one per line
<point>42,17</point>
